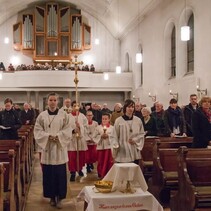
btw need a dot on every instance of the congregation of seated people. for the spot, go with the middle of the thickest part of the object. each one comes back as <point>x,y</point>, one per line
<point>50,66</point>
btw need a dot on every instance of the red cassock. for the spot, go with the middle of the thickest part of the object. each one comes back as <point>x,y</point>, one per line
<point>91,154</point>
<point>72,164</point>
<point>105,161</point>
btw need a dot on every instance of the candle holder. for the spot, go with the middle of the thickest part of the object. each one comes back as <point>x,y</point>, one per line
<point>136,99</point>
<point>104,129</point>
<point>202,92</point>
<point>128,188</point>
<point>153,97</point>
<point>174,94</point>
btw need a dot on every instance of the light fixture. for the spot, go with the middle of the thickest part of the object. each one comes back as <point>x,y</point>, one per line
<point>138,54</point>
<point>136,99</point>
<point>185,30</point>
<point>174,94</point>
<point>105,76</point>
<point>6,40</point>
<point>97,41</point>
<point>185,33</point>
<point>153,97</point>
<point>139,58</point>
<point>88,59</point>
<point>118,67</point>
<point>202,92</point>
<point>1,75</point>
<point>15,60</point>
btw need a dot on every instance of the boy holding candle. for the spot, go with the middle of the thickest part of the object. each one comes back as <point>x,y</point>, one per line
<point>102,139</point>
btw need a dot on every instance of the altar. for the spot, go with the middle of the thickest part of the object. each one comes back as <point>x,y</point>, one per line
<point>121,198</point>
<point>117,200</point>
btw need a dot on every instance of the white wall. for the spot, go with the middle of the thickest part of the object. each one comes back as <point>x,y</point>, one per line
<point>152,39</point>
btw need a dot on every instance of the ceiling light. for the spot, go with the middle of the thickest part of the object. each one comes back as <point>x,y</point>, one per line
<point>185,30</point>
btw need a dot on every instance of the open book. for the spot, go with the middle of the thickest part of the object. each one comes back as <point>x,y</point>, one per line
<point>151,137</point>
<point>4,128</point>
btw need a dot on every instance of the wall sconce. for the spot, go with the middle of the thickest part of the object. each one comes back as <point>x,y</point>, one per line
<point>118,69</point>
<point>202,92</point>
<point>1,75</point>
<point>153,97</point>
<point>136,99</point>
<point>174,94</point>
<point>106,76</point>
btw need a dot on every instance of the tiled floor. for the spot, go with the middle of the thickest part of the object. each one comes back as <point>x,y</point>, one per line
<point>36,202</point>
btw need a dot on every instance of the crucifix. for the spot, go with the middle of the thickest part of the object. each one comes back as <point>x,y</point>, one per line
<point>76,80</point>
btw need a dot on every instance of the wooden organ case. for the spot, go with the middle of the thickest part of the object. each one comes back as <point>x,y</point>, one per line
<point>52,32</point>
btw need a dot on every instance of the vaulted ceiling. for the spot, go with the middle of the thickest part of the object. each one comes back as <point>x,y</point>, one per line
<point>118,16</point>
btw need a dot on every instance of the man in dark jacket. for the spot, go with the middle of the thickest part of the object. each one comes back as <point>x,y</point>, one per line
<point>188,112</point>
<point>9,122</point>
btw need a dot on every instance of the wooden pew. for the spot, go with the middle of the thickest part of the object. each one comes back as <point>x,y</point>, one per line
<point>165,176</point>
<point>194,171</point>
<point>8,160</point>
<point>1,186</point>
<point>6,145</point>
<point>26,131</point>
<point>146,162</point>
<point>24,137</point>
<point>30,130</point>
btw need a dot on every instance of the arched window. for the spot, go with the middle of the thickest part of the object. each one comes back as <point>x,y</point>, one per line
<point>173,53</point>
<point>190,46</point>
<point>170,49</point>
<point>127,63</point>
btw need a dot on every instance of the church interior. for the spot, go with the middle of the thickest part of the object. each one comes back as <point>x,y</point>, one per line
<point>102,52</point>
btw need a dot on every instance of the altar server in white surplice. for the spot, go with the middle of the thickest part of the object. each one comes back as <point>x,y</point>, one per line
<point>52,133</point>
<point>128,135</point>
<point>78,146</point>
<point>102,139</point>
<point>91,153</point>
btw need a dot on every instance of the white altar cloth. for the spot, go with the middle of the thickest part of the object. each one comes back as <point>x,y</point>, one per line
<point>118,201</point>
<point>120,173</point>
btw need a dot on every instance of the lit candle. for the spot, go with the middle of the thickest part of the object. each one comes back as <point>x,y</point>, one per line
<point>149,94</point>
<point>170,91</point>
<point>104,128</point>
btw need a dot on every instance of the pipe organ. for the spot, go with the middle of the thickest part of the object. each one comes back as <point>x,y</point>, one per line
<point>52,20</point>
<point>52,32</point>
<point>87,36</point>
<point>76,35</point>
<point>28,31</point>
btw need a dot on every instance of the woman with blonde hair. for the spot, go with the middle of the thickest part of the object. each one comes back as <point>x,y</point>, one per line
<point>116,113</point>
<point>148,122</point>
